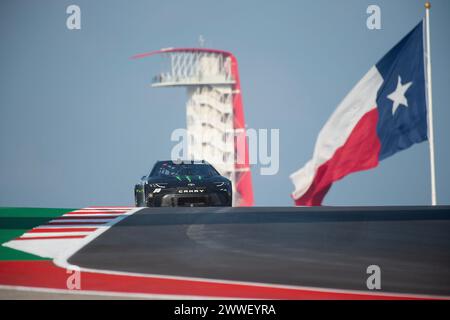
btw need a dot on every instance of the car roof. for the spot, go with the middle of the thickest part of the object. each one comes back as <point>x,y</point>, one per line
<point>184,161</point>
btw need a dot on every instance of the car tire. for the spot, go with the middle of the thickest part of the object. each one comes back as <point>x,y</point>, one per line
<point>139,196</point>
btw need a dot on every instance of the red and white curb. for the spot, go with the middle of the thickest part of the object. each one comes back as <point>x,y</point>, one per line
<point>68,233</point>
<point>62,237</point>
<point>45,276</point>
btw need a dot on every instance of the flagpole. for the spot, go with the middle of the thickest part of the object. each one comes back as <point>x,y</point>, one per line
<point>430,106</point>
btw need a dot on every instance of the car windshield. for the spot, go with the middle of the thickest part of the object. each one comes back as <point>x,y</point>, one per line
<point>170,169</point>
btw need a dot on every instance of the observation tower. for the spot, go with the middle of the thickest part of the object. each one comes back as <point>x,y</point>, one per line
<point>214,111</point>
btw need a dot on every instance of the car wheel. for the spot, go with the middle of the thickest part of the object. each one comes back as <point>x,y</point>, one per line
<point>139,196</point>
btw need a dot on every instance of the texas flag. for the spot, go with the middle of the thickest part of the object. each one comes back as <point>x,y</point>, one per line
<point>386,112</point>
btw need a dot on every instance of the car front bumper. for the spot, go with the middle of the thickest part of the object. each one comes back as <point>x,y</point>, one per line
<point>190,200</point>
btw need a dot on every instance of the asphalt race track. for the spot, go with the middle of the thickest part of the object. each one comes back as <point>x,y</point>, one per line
<point>318,247</point>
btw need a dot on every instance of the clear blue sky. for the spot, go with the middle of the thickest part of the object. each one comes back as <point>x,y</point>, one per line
<point>79,123</point>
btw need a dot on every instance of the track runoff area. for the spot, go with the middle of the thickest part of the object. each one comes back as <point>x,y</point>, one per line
<point>234,253</point>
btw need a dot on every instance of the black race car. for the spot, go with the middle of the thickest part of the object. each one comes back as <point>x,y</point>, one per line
<point>183,184</point>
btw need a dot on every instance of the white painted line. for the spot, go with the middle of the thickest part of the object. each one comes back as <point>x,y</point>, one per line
<point>46,226</point>
<point>109,293</point>
<point>101,211</point>
<point>54,234</point>
<point>82,221</point>
<point>75,225</point>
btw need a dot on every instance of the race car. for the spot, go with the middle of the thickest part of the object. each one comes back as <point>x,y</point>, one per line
<point>183,184</point>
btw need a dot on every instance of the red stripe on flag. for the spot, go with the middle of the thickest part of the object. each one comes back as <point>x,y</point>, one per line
<point>360,152</point>
<point>47,230</point>
<point>51,237</point>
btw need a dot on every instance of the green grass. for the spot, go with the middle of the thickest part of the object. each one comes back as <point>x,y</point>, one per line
<point>16,221</point>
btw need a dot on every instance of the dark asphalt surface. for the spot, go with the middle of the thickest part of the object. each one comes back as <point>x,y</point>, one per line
<point>320,247</point>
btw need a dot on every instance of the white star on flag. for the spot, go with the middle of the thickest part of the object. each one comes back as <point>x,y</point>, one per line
<point>398,96</point>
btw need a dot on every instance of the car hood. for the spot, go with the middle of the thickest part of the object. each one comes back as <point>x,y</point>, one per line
<point>186,181</point>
